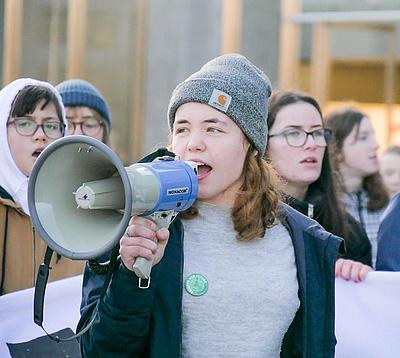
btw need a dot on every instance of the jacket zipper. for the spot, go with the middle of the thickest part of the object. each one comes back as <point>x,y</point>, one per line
<point>181,289</point>
<point>304,322</point>
<point>360,209</point>
<point>4,248</point>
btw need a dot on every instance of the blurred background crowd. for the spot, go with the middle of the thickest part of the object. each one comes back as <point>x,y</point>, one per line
<point>135,53</point>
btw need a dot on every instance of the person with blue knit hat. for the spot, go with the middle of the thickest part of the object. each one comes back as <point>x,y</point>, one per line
<point>86,110</point>
<point>239,274</point>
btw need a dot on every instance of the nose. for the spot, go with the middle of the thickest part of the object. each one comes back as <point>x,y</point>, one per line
<point>375,143</point>
<point>310,142</point>
<point>196,142</point>
<point>39,135</point>
<point>75,129</point>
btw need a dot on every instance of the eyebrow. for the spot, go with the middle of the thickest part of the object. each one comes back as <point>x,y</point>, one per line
<point>85,117</point>
<point>33,118</point>
<point>215,120</point>
<point>301,127</point>
<point>51,117</point>
<point>181,121</point>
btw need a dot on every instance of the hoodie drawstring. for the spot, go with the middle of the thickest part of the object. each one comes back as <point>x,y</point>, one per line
<point>3,261</point>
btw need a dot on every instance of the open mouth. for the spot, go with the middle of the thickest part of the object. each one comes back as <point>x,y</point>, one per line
<point>36,153</point>
<point>203,170</point>
<point>309,160</point>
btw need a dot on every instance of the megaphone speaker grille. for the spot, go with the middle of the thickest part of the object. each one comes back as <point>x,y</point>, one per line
<point>58,172</point>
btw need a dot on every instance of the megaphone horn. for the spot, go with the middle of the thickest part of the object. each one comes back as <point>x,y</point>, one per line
<point>81,197</point>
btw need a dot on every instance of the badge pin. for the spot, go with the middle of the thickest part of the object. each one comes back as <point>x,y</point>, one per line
<point>196,284</point>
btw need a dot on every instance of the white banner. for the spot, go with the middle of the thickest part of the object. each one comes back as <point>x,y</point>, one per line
<point>367,315</point>
<point>61,310</point>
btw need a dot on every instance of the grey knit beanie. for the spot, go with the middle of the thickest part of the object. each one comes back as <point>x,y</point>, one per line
<point>234,86</point>
<point>77,92</point>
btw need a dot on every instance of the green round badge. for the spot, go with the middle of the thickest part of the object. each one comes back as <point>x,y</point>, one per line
<point>196,284</point>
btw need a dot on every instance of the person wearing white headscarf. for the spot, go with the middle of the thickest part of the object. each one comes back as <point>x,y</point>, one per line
<point>31,117</point>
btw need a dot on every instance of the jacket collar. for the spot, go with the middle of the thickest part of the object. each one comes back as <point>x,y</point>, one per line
<point>299,226</point>
<point>298,244</point>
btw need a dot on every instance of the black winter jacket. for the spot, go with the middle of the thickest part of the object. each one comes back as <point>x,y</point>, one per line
<point>135,322</point>
<point>388,257</point>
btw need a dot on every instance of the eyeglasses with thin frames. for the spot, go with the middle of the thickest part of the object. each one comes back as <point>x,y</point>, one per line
<point>27,126</point>
<point>297,137</point>
<point>90,126</point>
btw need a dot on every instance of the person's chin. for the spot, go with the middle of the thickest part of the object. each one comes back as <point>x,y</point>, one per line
<point>203,197</point>
<point>374,166</point>
<point>311,178</point>
<point>395,190</point>
<point>312,173</point>
<point>373,170</point>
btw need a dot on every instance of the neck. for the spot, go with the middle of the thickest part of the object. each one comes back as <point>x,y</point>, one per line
<point>297,191</point>
<point>226,197</point>
<point>218,204</point>
<point>351,181</point>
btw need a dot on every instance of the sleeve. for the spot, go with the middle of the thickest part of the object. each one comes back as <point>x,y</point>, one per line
<point>388,256</point>
<point>121,320</point>
<point>358,246</point>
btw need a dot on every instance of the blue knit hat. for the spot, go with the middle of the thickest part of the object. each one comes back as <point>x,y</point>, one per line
<point>75,93</point>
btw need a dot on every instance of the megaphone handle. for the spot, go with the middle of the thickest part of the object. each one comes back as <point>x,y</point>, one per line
<point>142,267</point>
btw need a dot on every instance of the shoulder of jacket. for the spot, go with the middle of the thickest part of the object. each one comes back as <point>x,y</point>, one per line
<point>302,227</point>
<point>8,202</point>
<point>299,222</point>
<point>11,204</point>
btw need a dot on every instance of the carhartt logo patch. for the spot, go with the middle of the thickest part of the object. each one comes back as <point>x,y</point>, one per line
<point>220,100</point>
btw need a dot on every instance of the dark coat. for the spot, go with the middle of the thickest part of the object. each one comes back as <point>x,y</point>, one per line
<point>388,256</point>
<point>135,322</point>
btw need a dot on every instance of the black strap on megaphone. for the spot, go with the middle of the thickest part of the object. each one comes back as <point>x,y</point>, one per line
<point>40,290</point>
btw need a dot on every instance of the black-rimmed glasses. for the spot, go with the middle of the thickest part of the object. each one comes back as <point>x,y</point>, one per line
<point>90,126</point>
<point>26,126</point>
<point>297,137</point>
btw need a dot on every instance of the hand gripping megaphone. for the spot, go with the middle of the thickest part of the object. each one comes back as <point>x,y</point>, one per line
<point>81,197</point>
